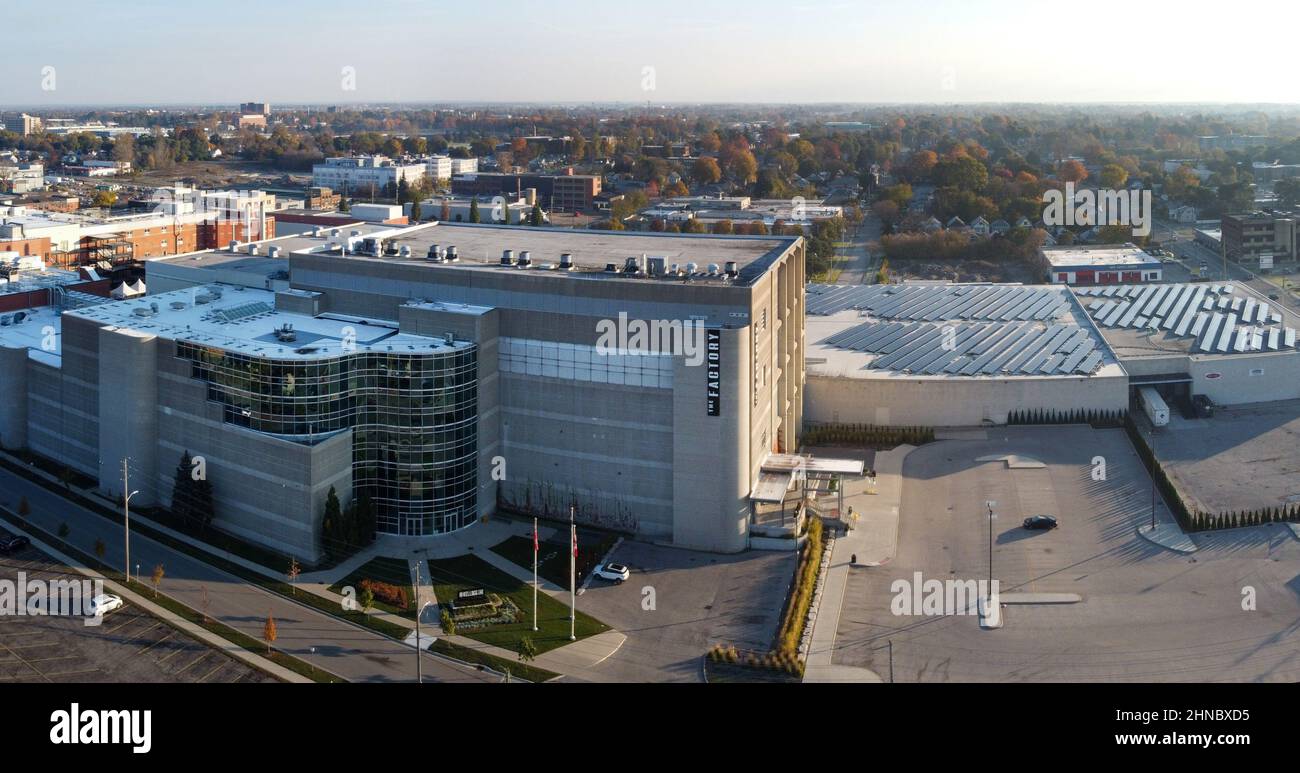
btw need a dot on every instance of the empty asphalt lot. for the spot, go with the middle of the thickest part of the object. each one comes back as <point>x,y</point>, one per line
<point>128,646</point>
<point>1147,614</point>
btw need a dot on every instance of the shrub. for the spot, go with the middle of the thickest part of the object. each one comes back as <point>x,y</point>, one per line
<point>392,595</point>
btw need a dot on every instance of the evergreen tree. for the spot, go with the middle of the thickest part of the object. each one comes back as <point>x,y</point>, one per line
<point>473,211</point>
<point>535,217</point>
<point>415,212</point>
<point>331,524</point>
<point>192,500</point>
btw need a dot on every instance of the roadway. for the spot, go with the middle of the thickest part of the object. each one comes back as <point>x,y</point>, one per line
<point>351,652</point>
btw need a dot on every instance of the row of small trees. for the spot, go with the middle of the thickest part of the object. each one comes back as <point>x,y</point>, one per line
<point>796,611</point>
<point>866,434</point>
<point>1095,417</point>
<point>1236,519</point>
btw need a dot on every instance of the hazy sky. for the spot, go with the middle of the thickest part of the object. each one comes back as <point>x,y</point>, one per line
<point>189,51</point>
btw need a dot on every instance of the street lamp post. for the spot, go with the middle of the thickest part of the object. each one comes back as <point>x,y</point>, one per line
<point>126,521</point>
<point>990,505</point>
<point>1153,477</point>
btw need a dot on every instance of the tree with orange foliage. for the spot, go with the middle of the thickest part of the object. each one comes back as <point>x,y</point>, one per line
<point>1071,171</point>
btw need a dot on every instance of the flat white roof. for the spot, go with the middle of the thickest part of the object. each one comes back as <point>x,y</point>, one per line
<point>1126,255</point>
<point>245,320</point>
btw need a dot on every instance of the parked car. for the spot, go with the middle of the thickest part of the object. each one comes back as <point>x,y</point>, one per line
<point>10,544</point>
<point>103,604</point>
<point>613,572</point>
<point>1272,296</point>
<point>1040,522</point>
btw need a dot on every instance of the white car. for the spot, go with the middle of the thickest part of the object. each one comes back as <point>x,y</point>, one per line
<point>103,604</point>
<point>613,572</point>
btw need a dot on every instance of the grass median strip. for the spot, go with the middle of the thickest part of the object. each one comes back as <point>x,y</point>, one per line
<point>476,657</point>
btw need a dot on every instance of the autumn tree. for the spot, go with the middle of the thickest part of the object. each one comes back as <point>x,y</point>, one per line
<point>268,632</point>
<point>156,578</point>
<point>1071,171</point>
<point>1113,176</point>
<point>705,170</point>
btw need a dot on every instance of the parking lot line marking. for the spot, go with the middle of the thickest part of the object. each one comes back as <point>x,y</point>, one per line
<point>217,668</point>
<point>75,673</point>
<point>157,642</point>
<point>191,664</point>
<point>168,657</point>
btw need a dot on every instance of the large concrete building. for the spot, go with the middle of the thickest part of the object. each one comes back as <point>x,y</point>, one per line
<point>442,371</point>
<point>1102,264</point>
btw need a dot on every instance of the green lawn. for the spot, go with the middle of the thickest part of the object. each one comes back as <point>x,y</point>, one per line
<point>451,575</point>
<point>553,555</point>
<point>390,570</point>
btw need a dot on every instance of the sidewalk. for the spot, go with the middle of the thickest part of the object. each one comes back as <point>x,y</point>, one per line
<point>874,541</point>
<point>166,615</point>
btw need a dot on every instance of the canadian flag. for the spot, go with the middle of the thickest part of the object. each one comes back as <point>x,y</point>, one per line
<point>535,545</point>
<point>575,541</point>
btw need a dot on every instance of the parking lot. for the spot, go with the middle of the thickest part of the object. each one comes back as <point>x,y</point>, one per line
<point>698,599</point>
<point>128,646</point>
<point>1244,457</point>
<point>1146,614</point>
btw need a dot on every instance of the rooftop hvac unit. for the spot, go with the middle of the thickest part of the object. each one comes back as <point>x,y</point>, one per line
<point>5,320</point>
<point>253,249</point>
<point>234,245</point>
<point>285,333</point>
<point>692,268</point>
<point>355,232</point>
<point>611,268</point>
<point>20,316</point>
<point>141,311</point>
<point>507,257</point>
<point>525,259</point>
<point>202,298</point>
<point>334,232</point>
<point>655,266</point>
<point>177,305</point>
<point>274,252</point>
<point>566,261</point>
<point>713,269</point>
<point>452,255</point>
<point>632,265</point>
<point>731,268</point>
<point>405,252</point>
<point>154,307</point>
<point>449,339</point>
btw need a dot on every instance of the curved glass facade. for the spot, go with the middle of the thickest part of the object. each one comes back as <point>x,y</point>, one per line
<point>414,419</point>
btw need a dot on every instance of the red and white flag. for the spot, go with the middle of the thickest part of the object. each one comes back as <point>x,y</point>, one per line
<point>535,546</point>
<point>575,541</point>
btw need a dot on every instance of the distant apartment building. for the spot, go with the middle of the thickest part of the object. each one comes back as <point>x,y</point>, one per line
<point>557,192</point>
<point>22,123</point>
<point>254,108</point>
<point>320,198</point>
<point>21,177</point>
<point>1233,141</point>
<point>1261,234</point>
<point>353,174</point>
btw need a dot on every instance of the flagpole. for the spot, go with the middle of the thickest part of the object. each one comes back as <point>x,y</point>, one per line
<point>573,574</point>
<point>534,573</point>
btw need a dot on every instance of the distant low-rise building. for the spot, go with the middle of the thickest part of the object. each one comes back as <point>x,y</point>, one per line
<point>1107,264</point>
<point>351,174</point>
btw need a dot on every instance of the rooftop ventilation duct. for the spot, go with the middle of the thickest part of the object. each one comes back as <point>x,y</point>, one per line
<point>611,268</point>
<point>566,261</point>
<point>234,245</point>
<point>655,266</point>
<point>713,269</point>
<point>273,252</point>
<point>525,259</point>
<point>507,257</point>
<point>731,268</point>
<point>405,252</point>
<point>253,249</point>
<point>452,255</point>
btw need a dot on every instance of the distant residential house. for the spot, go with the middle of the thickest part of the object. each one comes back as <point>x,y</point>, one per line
<point>999,226</point>
<point>980,226</point>
<point>931,224</point>
<point>1022,222</point>
<point>955,222</point>
<point>1183,213</point>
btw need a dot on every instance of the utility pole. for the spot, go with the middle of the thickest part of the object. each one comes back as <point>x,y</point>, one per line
<point>126,517</point>
<point>573,573</point>
<point>891,661</point>
<point>989,504</point>
<point>419,666</point>
<point>535,548</point>
<point>1153,477</point>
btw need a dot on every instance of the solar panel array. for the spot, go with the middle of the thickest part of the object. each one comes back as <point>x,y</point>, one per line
<point>1220,321</point>
<point>1027,348</point>
<point>1002,303</point>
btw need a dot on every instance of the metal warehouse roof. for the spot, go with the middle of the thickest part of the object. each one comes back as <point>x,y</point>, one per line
<point>940,302</point>
<point>1220,321</point>
<point>975,348</point>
